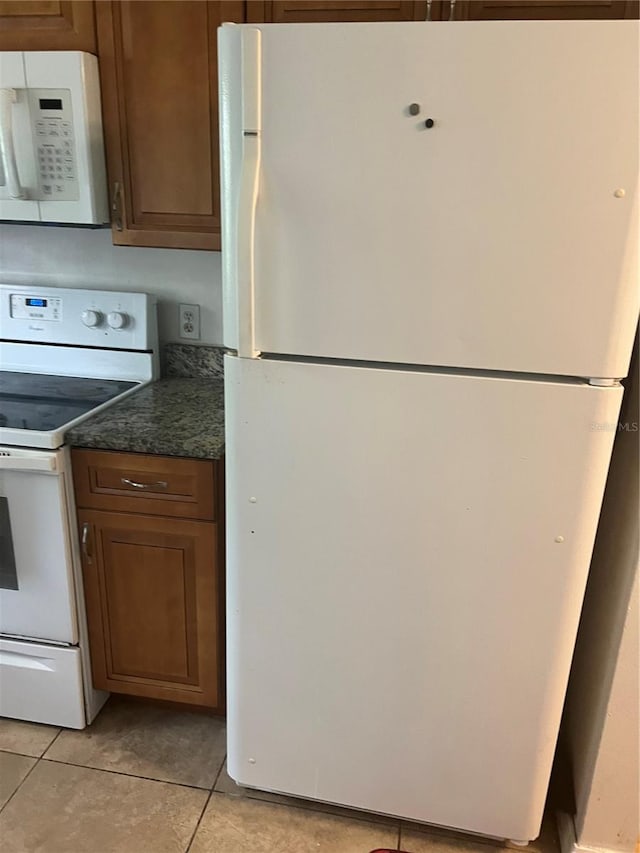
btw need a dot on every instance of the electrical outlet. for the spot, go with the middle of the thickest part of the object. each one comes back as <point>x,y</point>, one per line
<point>190,322</point>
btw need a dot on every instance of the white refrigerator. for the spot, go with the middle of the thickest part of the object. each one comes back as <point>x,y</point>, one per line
<point>430,280</point>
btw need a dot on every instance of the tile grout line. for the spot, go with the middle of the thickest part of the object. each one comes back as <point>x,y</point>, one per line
<point>30,754</point>
<point>128,775</point>
<point>22,754</point>
<point>22,781</point>
<point>51,744</point>
<point>38,759</point>
<point>198,822</point>
<point>218,774</point>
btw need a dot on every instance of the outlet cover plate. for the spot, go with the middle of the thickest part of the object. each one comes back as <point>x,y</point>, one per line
<point>190,322</point>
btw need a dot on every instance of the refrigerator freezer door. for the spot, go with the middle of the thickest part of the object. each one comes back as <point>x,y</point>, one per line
<point>407,556</point>
<point>502,237</point>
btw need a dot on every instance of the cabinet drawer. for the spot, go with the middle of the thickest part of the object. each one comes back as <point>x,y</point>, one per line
<point>154,485</point>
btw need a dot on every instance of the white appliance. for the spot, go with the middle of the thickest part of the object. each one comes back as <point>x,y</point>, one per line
<point>51,148</point>
<point>430,288</point>
<point>64,354</point>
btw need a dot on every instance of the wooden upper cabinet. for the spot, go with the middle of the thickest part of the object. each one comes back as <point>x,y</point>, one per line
<point>309,11</point>
<point>313,11</point>
<point>158,68</point>
<point>494,10</point>
<point>47,25</point>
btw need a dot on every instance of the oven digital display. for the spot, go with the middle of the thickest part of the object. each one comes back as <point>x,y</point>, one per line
<point>39,308</point>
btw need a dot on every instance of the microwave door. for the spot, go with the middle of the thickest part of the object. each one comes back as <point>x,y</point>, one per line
<point>18,179</point>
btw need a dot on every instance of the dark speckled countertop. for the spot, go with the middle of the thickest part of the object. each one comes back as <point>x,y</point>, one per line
<point>175,416</point>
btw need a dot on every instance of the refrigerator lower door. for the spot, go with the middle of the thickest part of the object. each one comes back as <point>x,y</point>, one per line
<point>407,556</point>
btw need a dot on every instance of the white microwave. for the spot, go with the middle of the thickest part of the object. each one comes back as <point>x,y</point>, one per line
<point>52,165</point>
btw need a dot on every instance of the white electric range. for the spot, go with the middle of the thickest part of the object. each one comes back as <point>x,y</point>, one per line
<point>64,355</point>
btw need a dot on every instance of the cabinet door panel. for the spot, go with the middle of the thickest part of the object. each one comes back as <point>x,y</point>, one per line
<point>312,11</point>
<point>47,25</point>
<point>151,588</point>
<point>144,581</point>
<point>493,10</point>
<point>159,84</point>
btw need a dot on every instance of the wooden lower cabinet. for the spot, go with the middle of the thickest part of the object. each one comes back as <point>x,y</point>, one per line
<point>152,599</point>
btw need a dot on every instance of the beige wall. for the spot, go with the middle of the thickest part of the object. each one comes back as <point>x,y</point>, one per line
<point>84,257</point>
<point>602,719</point>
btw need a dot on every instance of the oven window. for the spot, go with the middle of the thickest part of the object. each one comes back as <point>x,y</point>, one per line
<point>8,574</point>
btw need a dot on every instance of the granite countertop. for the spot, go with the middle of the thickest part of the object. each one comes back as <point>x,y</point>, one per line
<point>171,417</point>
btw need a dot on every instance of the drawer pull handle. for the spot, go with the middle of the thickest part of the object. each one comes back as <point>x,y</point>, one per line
<point>160,484</point>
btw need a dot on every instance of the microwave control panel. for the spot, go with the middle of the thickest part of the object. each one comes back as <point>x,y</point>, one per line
<point>56,158</point>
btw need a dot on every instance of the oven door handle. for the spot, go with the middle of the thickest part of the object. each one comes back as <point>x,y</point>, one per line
<point>31,462</point>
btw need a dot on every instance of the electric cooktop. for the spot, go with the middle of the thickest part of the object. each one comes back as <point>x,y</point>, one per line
<point>36,401</point>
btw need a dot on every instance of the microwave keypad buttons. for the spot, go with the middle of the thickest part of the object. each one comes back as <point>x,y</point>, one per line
<point>56,162</point>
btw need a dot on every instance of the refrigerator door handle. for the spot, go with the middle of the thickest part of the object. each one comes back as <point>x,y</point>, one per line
<point>248,191</point>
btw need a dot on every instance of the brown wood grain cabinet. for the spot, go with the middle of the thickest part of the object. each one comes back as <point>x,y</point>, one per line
<point>153,580</point>
<point>494,10</point>
<point>313,11</point>
<point>158,71</point>
<point>47,25</point>
<point>309,11</point>
<point>177,487</point>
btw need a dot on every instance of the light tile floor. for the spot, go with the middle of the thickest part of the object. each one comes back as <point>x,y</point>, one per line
<point>143,779</point>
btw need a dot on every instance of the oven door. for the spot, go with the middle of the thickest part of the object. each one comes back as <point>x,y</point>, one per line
<point>37,598</point>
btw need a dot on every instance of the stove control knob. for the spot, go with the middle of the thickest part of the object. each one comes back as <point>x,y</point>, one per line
<point>91,318</point>
<point>117,319</point>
